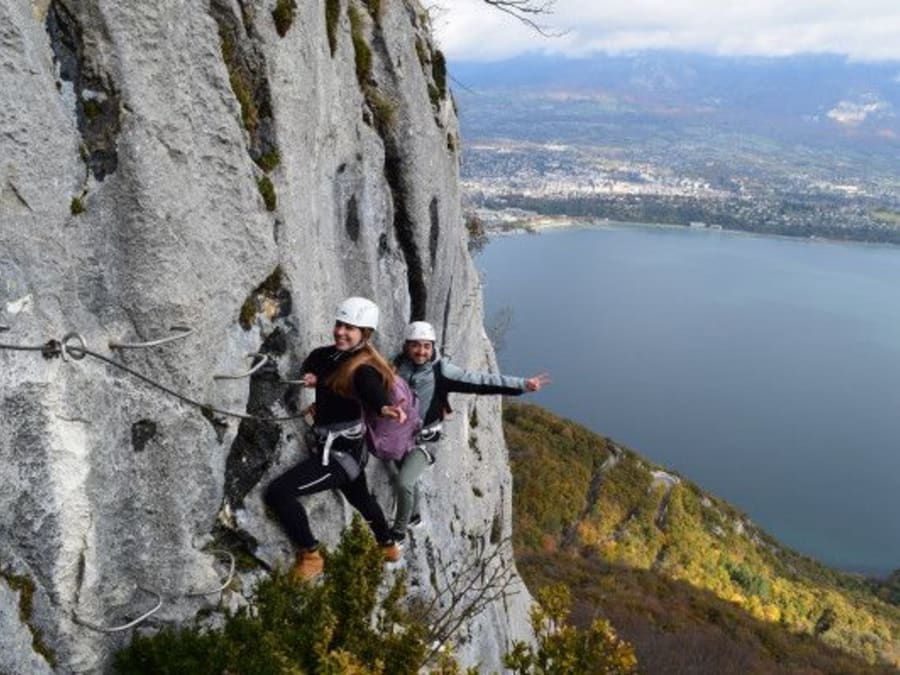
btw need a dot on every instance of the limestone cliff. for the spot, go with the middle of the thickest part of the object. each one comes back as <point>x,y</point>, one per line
<point>236,167</point>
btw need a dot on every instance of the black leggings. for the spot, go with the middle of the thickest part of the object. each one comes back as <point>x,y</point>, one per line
<point>309,477</point>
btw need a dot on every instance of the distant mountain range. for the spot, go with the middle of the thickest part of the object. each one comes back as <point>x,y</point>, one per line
<point>814,94</point>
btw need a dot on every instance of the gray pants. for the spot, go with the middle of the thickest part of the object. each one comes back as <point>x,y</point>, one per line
<point>405,476</point>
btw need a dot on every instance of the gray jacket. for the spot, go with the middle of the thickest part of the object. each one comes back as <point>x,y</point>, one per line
<point>433,382</point>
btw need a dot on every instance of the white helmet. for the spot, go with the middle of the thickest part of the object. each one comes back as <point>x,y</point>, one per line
<point>420,330</point>
<point>359,312</point>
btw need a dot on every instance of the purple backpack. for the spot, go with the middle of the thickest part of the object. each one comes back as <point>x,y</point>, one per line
<point>386,437</point>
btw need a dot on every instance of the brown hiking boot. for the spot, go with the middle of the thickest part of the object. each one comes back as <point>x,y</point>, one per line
<point>309,565</point>
<point>391,552</point>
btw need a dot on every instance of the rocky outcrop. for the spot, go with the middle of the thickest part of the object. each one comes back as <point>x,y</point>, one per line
<point>237,168</point>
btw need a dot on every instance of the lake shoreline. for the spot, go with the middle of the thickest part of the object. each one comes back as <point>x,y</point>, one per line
<point>537,224</point>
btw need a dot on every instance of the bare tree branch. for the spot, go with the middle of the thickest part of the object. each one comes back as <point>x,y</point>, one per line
<point>466,590</point>
<point>526,10</point>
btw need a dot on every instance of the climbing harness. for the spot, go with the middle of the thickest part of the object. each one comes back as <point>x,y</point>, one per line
<point>159,600</point>
<point>352,431</point>
<point>431,433</point>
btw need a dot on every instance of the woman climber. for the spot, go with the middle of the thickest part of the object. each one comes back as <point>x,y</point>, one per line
<point>350,377</point>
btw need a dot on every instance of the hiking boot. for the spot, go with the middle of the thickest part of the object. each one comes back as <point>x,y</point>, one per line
<point>391,551</point>
<point>398,536</point>
<point>415,520</point>
<point>309,565</point>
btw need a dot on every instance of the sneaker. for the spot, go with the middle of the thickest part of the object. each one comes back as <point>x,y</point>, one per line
<point>392,551</point>
<point>309,565</point>
<point>415,520</point>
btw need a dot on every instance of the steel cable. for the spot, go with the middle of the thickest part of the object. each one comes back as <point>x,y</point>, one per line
<point>55,348</point>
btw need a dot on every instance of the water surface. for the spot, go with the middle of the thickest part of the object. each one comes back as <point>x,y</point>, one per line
<point>765,369</point>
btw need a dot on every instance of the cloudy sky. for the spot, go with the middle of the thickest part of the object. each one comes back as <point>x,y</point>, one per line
<point>860,29</point>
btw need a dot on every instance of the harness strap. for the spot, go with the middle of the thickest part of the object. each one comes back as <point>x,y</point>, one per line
<point>352,432</point>
<point>430,433</point>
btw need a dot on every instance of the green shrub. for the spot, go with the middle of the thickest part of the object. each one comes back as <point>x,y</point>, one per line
<point>422,53</point>
<point>283,15</point>
<point>244,95</point>
<point>267,190</point>
<point>751,582</point>
<point>562,648</point>
<point>26,589</point>
<point>384,109</point>
<point>92,108</point>
<point>338,626</point>
<point>439,71</point>
<point>361,50</point>
<point>76,206</point>
<point>434,96</point>
<point>237,78</point>
<point>269,160</point>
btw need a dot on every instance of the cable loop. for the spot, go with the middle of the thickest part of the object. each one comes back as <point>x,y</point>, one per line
<point>221,553</point>
<point>67,350</point>
<point>182,332</point>
<point>262,361</point>
<point>231,566</point>
<point>115,629</point>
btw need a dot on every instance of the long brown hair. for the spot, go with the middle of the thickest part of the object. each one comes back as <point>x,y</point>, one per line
<point>341,380</point>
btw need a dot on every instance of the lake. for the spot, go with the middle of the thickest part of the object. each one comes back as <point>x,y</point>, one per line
<point>764,369</point>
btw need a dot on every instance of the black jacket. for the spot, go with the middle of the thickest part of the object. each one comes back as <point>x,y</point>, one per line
<point>331,407</point>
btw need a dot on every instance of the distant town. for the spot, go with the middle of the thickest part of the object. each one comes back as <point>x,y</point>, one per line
<point>517,184</point>
<point>700,144</point>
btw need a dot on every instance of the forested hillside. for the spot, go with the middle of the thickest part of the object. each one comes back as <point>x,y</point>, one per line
<point>688,579</point>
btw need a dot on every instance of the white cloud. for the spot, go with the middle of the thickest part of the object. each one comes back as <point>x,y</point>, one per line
<point>862,29</point>
<point>852,113</point>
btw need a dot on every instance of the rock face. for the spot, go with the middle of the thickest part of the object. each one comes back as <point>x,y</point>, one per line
<point>238,171</point>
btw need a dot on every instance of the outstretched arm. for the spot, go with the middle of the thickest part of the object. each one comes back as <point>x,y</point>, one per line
<point>466,382</point>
